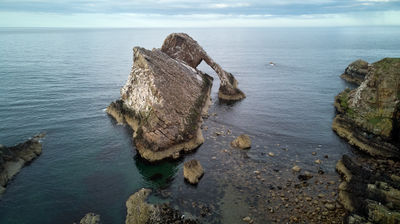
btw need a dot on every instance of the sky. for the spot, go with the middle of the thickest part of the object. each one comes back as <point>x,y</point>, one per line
<point>198,13</point>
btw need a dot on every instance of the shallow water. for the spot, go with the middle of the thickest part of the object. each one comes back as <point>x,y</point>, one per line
<point>59,81</point>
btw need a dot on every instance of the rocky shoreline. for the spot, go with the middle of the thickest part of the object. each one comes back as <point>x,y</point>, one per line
<point>14,158</point>
<point>368,118</point>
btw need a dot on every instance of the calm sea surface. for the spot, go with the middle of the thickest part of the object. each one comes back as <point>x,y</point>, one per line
<point>59,81</point>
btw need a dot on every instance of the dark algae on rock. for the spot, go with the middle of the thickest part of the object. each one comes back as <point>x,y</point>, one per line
<point>14,158</point>
<point>368,118</point>
<point>166,97</point>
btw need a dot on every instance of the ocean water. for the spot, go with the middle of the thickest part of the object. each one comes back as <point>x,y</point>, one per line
<point>59,81</point>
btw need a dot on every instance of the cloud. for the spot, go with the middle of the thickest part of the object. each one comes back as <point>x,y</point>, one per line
<point>243,12</point>
<point>195,20</point>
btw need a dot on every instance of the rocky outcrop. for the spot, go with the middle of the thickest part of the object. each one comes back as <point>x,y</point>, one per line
<point>242,142</point>
<point>356,72</point>
<point>163,101</point>
<point>90,218</point>
<point>368,116</point>
<point>192,171</point>
<point>370,195</point>
<point>182,47</point>
<point>14,158</point>
<point>139,211</point>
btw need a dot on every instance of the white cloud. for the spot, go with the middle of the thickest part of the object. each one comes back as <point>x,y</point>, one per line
<point>20,19</point>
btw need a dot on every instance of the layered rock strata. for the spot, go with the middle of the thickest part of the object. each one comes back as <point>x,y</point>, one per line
<point>182,47</point>
<point>355,73</point>
<point>368,116</point>
<point>163,101</point>
<point>14,158</point>
<point>370,195</point>
<point>139,211</point>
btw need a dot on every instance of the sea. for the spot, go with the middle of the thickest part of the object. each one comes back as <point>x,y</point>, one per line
<point>59,81</point>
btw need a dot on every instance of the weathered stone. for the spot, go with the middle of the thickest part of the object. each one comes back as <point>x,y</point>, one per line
<point>368,116</point>
<point>139,211</point>
<point>14,158</point>
<point>163,102</point>
<point>243,142</point>
<point>193,171</point>
<point>182,47</point>
<point>296,168</point>
<point>367,193</point>
<point>90,218</point>
<point>356,72</point>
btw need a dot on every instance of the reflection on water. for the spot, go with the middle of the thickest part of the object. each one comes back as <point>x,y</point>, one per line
<point>159,175</point>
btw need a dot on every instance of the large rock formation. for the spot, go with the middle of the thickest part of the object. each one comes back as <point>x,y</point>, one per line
<point>139,211</point>
<point>14,158</point>
<point>370,192</point>
<point>368,116</point>
<point>182,47</point>
<point>193,171</point>
<point>356,72</point>
<point>163,101</point>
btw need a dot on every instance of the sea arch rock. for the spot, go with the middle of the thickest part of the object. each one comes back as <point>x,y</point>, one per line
<point>163,101</point>
<point>182,47</point>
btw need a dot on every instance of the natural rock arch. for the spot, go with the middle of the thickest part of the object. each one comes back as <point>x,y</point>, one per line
<point>182,47</point>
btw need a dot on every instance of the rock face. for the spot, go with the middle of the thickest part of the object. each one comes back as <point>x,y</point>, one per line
<point>14,158</point>
<point>193,171</point>
<point>182,47</point>
<point>243,142</point>
<point>368,194</point>
<point>356,72</point>
<point>139,211</point>
<point>368,116</point>
<point>163,101</point>
<point>90,218</point>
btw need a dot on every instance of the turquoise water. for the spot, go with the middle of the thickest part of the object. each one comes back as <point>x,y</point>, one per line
<point>59,81</point>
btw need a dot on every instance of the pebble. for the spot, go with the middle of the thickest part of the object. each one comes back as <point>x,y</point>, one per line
<point>314,153</point>
<point>271,154</point>
<point>296,168</point>
<point>318,161</point>
<point>330,206</point>
<point>247,219</point>
<point>257,172</point>
<point>214,158</point>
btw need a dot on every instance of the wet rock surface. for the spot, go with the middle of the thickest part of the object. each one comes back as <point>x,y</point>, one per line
<point>139,211</point>
<point>193,171</point>
<point>163,101</point>
<point>182,47</point>
<point>356,72</point>
<point>368,116</point>
<point>14,158</point>
<point>90,218</point>
<point>242,142</point>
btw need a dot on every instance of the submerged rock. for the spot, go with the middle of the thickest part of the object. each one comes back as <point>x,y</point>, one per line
<point>14,158</point>
<point>182,47</point>
<point>163,102</point>
<point>369,195</point>
<point>368,116</point>
<point>243,142</point>
<point>356,72</point>
<point>193,171</point>
<point>139,211</point>
<point>90,218</point>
